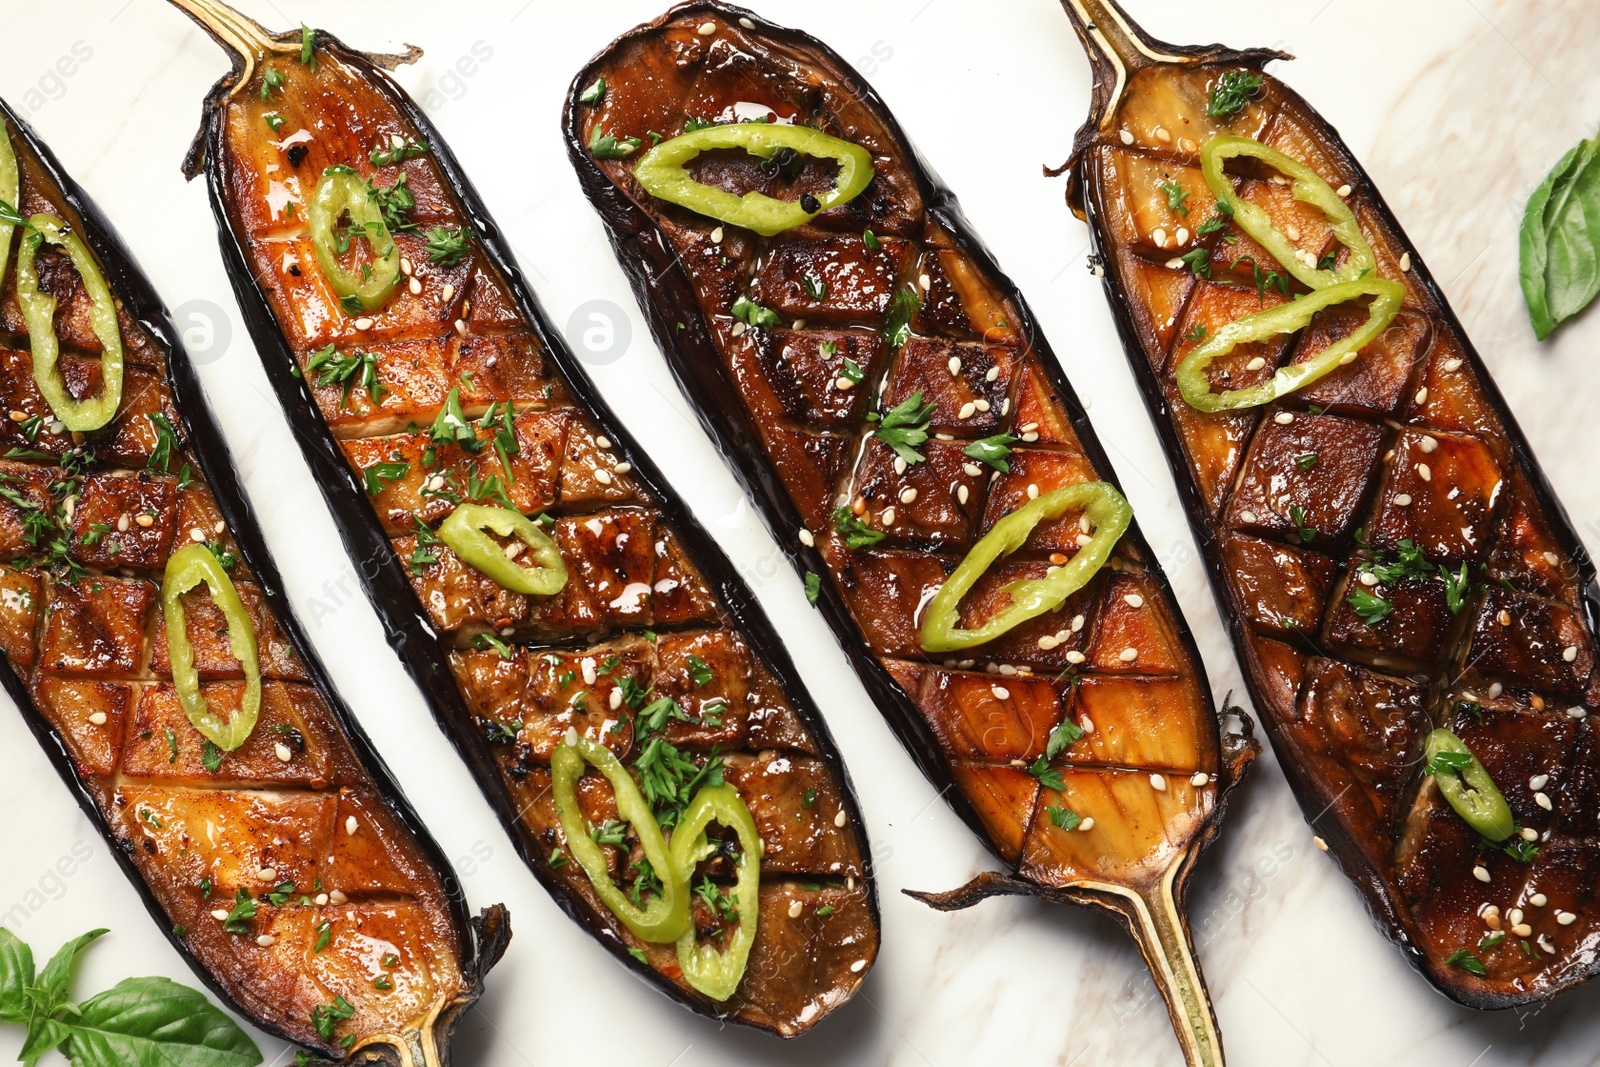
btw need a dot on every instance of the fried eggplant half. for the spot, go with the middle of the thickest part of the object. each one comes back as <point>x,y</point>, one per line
<point>148,646</point>
<point>883,394</point>
<point>599,664</point>
<point>1412,609</point>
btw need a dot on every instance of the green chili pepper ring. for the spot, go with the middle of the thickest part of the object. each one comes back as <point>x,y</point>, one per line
<point>39,313</point>
<point>1285,319</point>
<point>463,533</point>
<point>666,917</point>
<point>342,191</point>
<point>717,974</point>
<point>187,568</point>
<point>1308,188</point>
<point>1032,597</point>
<point>661,171</point>
<point>1472,791</point>
<point>10,191</point>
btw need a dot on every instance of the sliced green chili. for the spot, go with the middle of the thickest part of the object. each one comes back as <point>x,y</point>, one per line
<point>662,172</point>
<point>1031,597</point>
<point>463,533</point>
<point>666,917</point>
<point>187,568</point>
<point>1467,786</point>
<point>341,192</point>
<point>717,974</point>
<point>10,192</point>
<point>1308,188</point>
<point>1286,319</point>
<point>39,312</point>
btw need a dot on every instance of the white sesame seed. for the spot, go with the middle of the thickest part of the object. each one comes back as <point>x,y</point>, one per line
<point>122,523</point>
<point>955,366</point>
<point>461,327</point>
<point>603,476</point>
<point>1174,263</point>
<point>1538,900</point>
<point>1126,136</point>
<point>1158,783</point>
<point>1129,654</point>
<point>1047,642</point>
<point>1481,873</point>
<point>794,909</point>
<point>571,736</point>
<point>1422,395</point>
<point>448,292</point>
<point>1538,782</point>
<point>1545,943</point>
<point>1452,364</point>
<point>1566,918</point>
<point>1200,778</point>
<point>1347,359</point>
<point>1428,444</point>
<point>1075,657</point>
<point>1543,800</point>
<point>1495,690</point>
<point>747,24</point>
<point>1292,232</point>
<point>981,405</point>
<point>1000,692</point>
<point>858,966</point>
<point>972,469</point>
<point>615,699</point>
<point>1577,713</point>
<point>1570,653</point>
<point>925,282</point>
<point>1514,916</point>
<point>1033,491</point>
<point>844,384</point>
<point>1159,237</point>
<point>1087,824</point>
<point>1283,418</point>
<point>1551,558</point>
<point>806,538</point>
<point>338,897</point>
<point>992,375</point>
<point>888,516</point>
<point>1255,364</point>
<point>1247,516</point>
<point>1162,135</point>
<point>707,29</point>
<point>1077,623</point>
<point>1134,600</point>
<point>1402,500</point>
<point>221,915</point>
<point>267,874</point>
<point>1182,236</point>
<point>1503,617</point>
<point>98,718</point>
<point>899,465</point>
<point>1320,843</point>
<point>1030,437</point>
<point>414,286</point>
<point>1343,190</point>
<point>219,528</point>
<point>1522,930</point>
<point>363,323</point>
<point>967,410</point>
<point>716,236</point>
<point>961,493</point>
<point>1369,579</point>
<point>840,819</point>
<point>266,940</point>
<point>1405,262</point>
<point>351,826</point>
<point>284,753</point>
<point>908,495</point>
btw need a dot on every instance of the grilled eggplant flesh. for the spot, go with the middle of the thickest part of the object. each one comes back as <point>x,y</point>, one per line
<point>889,300</point>
<point>289,871</point>
<point>1401,476</point>
<point>462,393</point>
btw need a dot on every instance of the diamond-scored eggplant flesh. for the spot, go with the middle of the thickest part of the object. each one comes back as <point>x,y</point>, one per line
<point>347,896</point>
<point>1144,786</point>
<point>649,607</point>
<point>1305,506</point>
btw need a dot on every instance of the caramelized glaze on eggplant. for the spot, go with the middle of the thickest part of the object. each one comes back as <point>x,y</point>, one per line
<point>1150,775</point>
<point>347,896</point>
<point>650,604</point>
<point>1413,451</point>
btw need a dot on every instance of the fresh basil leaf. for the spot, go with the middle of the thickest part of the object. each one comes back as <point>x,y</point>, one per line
<point>57,974</point>
<point>44,1034</point>
<point>1560,262</point>
<point>155,1022</point>
<point>16,976</point>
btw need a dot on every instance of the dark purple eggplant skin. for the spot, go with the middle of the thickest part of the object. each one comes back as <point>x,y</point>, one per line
<point>1375,894</point>
<point>666,296</point>
<point>485,937</point>
<point>382,572</point>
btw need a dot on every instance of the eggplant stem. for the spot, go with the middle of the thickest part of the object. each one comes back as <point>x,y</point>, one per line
<point>1158,926</point>
<point>245,38</point>
<point>1115,41</point>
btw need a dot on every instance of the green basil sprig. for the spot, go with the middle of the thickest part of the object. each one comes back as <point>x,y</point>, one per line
<point>1561,240</point>
<point>137,1021</point>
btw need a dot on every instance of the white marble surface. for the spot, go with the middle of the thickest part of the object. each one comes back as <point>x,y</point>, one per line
<point>1456,106</point>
